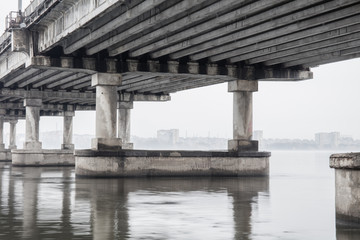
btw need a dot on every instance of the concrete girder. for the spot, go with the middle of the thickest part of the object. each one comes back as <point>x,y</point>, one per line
<point>52,79</point>
<point>71,78</point>
<point>170,14</point>
<point>227,19</point>
<point>40,77</point>
<point>294,22</point>
<point>291,60</point>
<point>45,107</point>
<point>155,83</point>
<point>198,84</point>
<point>170,84</point>
<point>131,86</point>
<point>184,23</point>
<point>86,79</point>
<point>25,75</point>
<point>164,82</point>
<point>122,19</point>
<point>327,57</point>
<point>332,59</point>
<point>313,47</point>
<point>264,42</point>
<point>127,97</point>
<point>21,93</point>
<point>311,42</point>
<point>140,78</point>
<point>86,85</point>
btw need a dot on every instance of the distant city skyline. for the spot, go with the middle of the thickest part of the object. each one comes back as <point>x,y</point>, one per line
<point>327,103</point>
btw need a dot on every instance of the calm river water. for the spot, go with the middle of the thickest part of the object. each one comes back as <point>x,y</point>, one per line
<point>296,202</point>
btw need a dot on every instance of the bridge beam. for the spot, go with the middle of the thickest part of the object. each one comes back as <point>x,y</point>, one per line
<point>242,115</point>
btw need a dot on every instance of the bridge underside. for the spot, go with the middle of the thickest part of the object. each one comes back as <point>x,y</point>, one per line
<point>62,56</point>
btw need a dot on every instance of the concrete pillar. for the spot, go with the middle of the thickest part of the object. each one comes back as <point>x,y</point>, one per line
<point>68,130</point>
<point>32,123</point>
<point>2,115</point>
<point>124,111</point>
<point>106,103</point>
<point>347,182</point>
<point>12,142</point>
<point>242,115</point>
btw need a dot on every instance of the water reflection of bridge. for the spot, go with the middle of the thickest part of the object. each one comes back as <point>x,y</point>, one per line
<point>39,203</point>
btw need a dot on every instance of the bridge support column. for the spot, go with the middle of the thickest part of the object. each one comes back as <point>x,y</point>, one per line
<point>68,131</point>
<point>106,101</point>
<point>2,115</point>
<point>124,111</point>
<point>5,154</point>
<point>12,142</point>
<point>242,115</point>
<point>32,123</point>
<point>347,182</point>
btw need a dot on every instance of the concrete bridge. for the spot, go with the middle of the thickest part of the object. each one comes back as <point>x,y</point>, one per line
<point>62,56</point>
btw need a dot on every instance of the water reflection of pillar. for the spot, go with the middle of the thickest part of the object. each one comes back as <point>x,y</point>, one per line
<point>11,204</point>
<point>30,208</point>
<point>66,227</point>
<point>109,216</point>
<point>243,191</point>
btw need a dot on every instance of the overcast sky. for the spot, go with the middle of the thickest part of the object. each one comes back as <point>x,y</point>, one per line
<point>329,102</point>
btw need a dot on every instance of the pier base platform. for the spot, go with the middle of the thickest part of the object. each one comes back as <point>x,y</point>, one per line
<point>347,190</point>
<point>43,157</point>
<point>5,155</point>
<point>143,163</point>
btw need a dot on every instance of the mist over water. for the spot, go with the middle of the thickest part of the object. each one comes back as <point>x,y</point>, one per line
<point>297,201</point>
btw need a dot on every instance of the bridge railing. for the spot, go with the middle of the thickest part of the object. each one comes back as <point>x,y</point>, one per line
<point>5,40</point>
<point>33,5</point>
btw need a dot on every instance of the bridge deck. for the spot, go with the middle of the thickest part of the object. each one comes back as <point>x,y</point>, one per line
<point>165,46</point>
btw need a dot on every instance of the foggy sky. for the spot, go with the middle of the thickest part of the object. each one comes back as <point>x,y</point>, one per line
<point>327,103</point>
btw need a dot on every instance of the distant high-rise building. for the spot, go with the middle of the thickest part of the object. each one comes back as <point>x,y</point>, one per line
<point>258,136</point>
<point>168,136</point>
<point>327,140</point>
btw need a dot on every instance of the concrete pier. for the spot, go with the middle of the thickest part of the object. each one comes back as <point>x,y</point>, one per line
<point>242,115</point>
<point>143,163</point>
<point>68,131</point>
<point>106,104</point>
<point>32,124</point>
<point>347,182</point>
<point>12,141</point>
<point>33,154</point>
<point>5,154</point>
<point>124,119</point>
<point>108,158</point>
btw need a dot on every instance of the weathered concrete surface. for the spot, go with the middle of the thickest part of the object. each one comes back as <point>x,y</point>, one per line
<point>5,155</point>
<point>347,190</point>
<point>25,157</point>
<point>141,163</point>
<point>345,160</point>
<point>106,105</point>
<point>242,115</point>
<point>68,130</point>
<point>32,123</point>
<point>12,141</point>
<point>124,121</point>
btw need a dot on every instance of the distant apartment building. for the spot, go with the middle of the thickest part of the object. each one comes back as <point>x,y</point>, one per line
<point>168,136</point>
<point>327,140</point>
<point>258,136</point>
